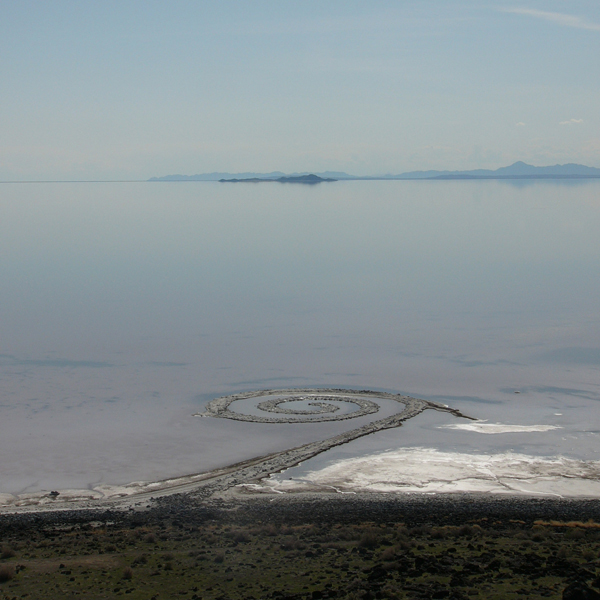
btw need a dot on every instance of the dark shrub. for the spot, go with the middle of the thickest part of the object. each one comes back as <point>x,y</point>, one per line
<point>7,552</point>
<point>368,540</point>
<point>575,534</point>
<point>469,530</point>
<point>388,554</point>
<point>589,555</point>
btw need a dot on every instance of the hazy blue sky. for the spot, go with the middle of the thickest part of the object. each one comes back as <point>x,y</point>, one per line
<point>132,89</point>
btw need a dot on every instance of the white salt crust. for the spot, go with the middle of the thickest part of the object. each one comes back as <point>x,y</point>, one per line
<point>427,470</point>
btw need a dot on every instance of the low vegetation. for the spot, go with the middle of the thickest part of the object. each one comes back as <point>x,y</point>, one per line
<point>242,558</point>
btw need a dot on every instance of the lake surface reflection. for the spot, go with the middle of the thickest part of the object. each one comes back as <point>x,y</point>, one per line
<point>125,307</point>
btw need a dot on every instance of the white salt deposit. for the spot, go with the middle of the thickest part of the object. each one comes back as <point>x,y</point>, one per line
<point>427,470</point>
<point>483,427</point>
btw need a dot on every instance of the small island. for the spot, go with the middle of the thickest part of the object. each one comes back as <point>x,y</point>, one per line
<point>307,179</point>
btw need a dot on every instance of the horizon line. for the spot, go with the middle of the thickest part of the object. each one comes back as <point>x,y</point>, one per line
<point>350,178</point>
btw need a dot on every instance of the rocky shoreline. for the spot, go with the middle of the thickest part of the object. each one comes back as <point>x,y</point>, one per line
<point>413,509</point>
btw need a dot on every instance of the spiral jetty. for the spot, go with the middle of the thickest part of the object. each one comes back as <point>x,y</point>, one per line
<point>254,470</point>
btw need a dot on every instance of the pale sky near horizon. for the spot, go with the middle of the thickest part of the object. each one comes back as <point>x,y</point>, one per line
<point>135,89</point>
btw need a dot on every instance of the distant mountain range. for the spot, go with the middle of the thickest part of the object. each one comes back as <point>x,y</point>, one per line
<point>518,170</point>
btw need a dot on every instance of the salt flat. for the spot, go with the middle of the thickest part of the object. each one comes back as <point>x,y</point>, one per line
<point>429,471</point>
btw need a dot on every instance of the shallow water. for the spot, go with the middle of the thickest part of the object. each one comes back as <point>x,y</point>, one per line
<point>124,308</point>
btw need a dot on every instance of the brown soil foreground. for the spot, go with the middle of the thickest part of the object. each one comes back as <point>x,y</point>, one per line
<point>308,548</point>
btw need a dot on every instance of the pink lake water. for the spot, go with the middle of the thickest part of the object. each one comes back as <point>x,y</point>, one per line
<point>126,307</point>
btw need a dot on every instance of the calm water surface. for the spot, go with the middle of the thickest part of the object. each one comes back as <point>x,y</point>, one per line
<point>124,308</point>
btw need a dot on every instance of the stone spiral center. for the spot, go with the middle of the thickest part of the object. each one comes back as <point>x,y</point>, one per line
<point>315,406</point>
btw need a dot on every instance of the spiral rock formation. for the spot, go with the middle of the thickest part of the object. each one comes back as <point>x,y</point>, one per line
<point>317,405</point>
<point>319,401</point>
